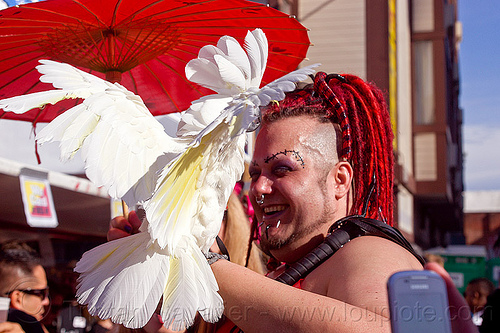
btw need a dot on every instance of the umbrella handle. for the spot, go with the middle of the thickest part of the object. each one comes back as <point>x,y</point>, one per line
<point>125,209</point>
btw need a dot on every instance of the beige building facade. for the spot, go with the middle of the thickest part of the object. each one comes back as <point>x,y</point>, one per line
<point>409,50</point>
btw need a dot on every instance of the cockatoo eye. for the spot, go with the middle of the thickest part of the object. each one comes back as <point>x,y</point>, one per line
<point>254,125</point>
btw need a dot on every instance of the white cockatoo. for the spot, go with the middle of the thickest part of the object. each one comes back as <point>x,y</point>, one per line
<point>183,182</point>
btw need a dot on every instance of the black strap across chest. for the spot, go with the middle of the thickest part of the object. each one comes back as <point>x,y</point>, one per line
<point>342,232</point>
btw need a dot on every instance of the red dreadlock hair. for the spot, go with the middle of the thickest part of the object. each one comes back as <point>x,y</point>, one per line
<point>360,110</point>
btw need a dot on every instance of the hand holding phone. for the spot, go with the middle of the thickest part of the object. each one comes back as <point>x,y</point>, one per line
<point>418,302</point>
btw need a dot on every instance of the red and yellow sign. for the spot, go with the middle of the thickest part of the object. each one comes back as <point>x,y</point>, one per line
<point>38,202</point>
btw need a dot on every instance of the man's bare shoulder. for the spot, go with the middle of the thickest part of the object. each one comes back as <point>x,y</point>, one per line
<point>357,274</point>
<point>375,251</point>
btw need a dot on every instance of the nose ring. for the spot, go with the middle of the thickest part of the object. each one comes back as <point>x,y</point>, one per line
<point>260,200</point>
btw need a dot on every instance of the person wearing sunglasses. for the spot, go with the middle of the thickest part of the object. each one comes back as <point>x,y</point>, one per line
<point>23,280</point>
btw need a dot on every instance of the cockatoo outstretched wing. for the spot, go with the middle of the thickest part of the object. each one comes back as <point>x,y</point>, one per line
<point>122,143</point>
<point>119,138</point>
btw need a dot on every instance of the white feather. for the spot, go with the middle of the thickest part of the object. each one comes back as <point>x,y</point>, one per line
<point>235,54</point>
<point>263,47</point>
<point>184,189</point>
<point>191,286</point>
<point>256,47</point>
<point>123,280</point>
<point>230,73</point>
<point>208,52</point>
<point>74,135</point>
<point>69,78</point>
<point>54,131</point>
<point>276,89</point>
<point>201,113</point>
<point>21,104</point>
<point>205,73</point>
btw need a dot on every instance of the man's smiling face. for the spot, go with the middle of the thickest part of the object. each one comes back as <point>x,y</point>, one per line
<point>290,167</point>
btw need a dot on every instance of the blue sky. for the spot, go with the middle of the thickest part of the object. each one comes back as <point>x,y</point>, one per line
<point>479,96</point>
<point>479,59</point>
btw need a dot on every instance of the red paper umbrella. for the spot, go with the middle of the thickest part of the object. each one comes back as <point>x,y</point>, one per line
<point>143,44</point>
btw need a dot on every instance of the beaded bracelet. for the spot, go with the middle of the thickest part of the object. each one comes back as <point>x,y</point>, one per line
<point>213,257</point>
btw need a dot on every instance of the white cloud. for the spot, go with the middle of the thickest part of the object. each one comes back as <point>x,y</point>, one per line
<point>482,157</point>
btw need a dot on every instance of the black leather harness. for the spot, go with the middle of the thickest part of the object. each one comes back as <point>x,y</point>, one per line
<point>340,233</point>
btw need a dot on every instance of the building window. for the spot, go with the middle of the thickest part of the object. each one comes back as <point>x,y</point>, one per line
<point>425,145</point>
<point>424,83</point>
<point>423,15</point>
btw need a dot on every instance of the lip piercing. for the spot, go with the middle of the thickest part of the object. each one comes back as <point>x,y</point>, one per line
<point>269,226</point>
<point>260,200</point>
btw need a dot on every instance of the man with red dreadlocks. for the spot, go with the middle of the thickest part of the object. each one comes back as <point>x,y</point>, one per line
<point>323,153</point>
<point>322,176</point>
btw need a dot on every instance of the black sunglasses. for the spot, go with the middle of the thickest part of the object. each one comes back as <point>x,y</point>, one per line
<point>42,293</point>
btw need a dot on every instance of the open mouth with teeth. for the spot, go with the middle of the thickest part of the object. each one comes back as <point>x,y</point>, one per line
<point>272,217</point>
<point>271,210</point>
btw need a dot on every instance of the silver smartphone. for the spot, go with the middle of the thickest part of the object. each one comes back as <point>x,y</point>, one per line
<point>418,302</point>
